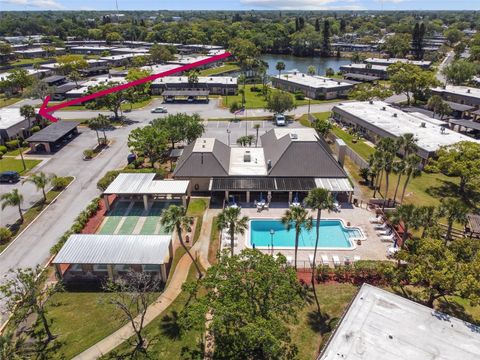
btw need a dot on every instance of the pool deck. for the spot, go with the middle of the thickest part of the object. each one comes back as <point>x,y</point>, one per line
<point>370,249</point>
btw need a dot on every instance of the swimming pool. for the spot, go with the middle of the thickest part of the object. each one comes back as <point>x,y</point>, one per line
<point>333,235</point>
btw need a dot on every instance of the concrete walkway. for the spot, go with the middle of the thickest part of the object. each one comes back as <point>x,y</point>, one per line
<point>174,288</point>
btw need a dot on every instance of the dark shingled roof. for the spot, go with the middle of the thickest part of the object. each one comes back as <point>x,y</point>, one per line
<point>204,164</point>
<point>299,158</point>
<point>459,107</point>
<point>53,132</point>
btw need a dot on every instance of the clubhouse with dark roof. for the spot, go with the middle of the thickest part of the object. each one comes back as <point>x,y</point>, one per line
<point>290,162</point>
<point>51,138</point>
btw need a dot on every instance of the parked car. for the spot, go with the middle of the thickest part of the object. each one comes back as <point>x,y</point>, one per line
<point>9,177</point>
<point>280,120</point>
<point>159,110</point>
<point>191,99</point>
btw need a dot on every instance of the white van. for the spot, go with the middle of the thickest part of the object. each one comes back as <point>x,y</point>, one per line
<point>280,120</point>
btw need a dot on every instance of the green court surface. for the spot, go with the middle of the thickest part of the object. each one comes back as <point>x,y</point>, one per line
<point>114,217</point>
<point>153,218</point>
<point>131,219</point>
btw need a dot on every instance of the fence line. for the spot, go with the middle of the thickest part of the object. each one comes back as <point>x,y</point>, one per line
<point>357,159</point>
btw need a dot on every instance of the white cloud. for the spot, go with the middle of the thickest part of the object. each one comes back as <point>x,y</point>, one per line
<point>304,4</point>
<point>40,4</point>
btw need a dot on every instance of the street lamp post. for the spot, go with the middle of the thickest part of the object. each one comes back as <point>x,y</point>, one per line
<point>272,232</point>
<point>20,151</point>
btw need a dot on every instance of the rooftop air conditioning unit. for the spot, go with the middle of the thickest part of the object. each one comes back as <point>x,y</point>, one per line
<point>269,164</point>
<point>468,91</point>
<point>293,136</point>
<point>371,102</point>
<point>395,115</point>
<point>384,108</point>
<point>423,124</point>
<point>247,157</point>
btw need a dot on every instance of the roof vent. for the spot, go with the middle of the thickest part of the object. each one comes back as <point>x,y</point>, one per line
<point>468,91</point>
<point>293,136</point>
<point>338,82</point>
<point>371,102</point>
<point>269,164</point>
<point>303,75</point>
<point>443,130</point>
<point>423,124</point>
<point>247,157</point>
<point>395,114</point>
<point>384,108</point>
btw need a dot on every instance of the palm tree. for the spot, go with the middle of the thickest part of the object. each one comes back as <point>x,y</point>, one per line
<point>318,199</point>
<point>299,218</point>
<point>311,70</point>
<point>103,123</point>
<point>175,218</point>
<point>230,219</point>
<point>93,124</point>
<point>40,180</point>
<point>388,149</point>
<point>398,169</point>
<point>257,128</point>
<point>192,77</point>
<point>13,198</point>
<point>407,144</point>
<point>412,162</point>
<point>408,215</point>
<point>280,67</point>
<point>455,211</point>
<point>428,219</point>
<point>28,112</point>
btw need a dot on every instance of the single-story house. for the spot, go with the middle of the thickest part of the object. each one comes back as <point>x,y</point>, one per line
<point>387,62</point>
<point>465,95</point>
<point>364,72</point>
<point>12,124</point>
<point>218,85</point>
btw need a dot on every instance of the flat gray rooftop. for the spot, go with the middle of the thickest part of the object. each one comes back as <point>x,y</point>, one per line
<point>53,132</point>
<point>380,325</point>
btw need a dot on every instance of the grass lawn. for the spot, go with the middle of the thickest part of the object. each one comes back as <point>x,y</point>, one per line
<point>11,164</point>
<point>19,62</point>
<point>320,116</point>
<point>360,147</point>
<point>4,101</point>
<point>125,107</point>
<point>15,152</point>
<point>197,206</point>
<point>308,333</point>
<point>31,214</point>
<point>163,335</point>
<point>219,70</point>
<point>256,100</point>
<point>214,245</point>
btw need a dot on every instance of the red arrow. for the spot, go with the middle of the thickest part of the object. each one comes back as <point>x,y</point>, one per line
<point>46,111</point>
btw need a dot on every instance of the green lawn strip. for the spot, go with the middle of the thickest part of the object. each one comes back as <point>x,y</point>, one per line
<point>20,62</point>
<point>15,152</point>
<point>321,116</point>
<point>309,333</point>
<point>219,70</point>
<point>11,164</point>
<point>360,147</point>
<point>163,336</point>
<point>125,107</point>
<point>32,213</point>
<point>214,245</point>
<point>197,206</point>
<point>4,101</point>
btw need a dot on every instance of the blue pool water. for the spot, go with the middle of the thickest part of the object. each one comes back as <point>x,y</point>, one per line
<point>332,235</point>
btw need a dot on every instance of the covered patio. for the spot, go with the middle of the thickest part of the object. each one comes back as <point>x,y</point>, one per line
<point>197,94</point>
<point>143,186</point>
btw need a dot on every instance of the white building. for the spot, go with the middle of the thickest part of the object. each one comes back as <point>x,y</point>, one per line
<point>460,94</point>
<point>11,124</point>
<point>391,61</point>
<point>377,119</point>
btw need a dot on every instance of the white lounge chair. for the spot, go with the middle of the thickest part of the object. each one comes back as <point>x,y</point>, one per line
<point>347,261</point>
<point>336,260</point>
<point>392,250</point>
<point>325,260</point>
<point>380,226</point>
<point>376,220</point>
<point>310,259</point>
<point>385,232</point>
<point>289,260</point>
<point>356,258</point>
<point>387,238</point>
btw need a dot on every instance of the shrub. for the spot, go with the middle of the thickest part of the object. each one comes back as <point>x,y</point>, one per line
<point>5,235</point>
<point>59,182</point>
<point>35,129</point>
<point>323,273</point>
<point>107,179</point>
<point>330,72</point>
<point>299,95</point>
<point>13,144</point>
<point>88,153</point>
<point>255,89</point>
<point>3,150</point>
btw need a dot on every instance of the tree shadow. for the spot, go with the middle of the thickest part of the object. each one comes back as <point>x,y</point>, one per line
<point>455,309</point>
<point>170,327</point>
<point>450,189</point>
<point>320,323</point>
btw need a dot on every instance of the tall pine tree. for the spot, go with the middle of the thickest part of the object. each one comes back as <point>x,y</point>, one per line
<point>326,39</point>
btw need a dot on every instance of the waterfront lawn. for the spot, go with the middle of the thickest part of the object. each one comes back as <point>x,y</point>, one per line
<point>12,164</point>
<point>125,107</point>
<point>219,70</point>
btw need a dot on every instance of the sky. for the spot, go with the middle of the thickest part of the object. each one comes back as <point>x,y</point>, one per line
<point>240,4</point>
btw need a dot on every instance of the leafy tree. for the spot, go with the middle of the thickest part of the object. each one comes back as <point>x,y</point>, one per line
<point>229,219</point>
<point>5,52</point>
<point>245,140</point>
<point>112,101</point>
<point>280,67</point>
<point>132,294</point>
<point>398,45</point>
<point>322,126</point>
<point>26,294</point>
<point>160,54</point>
<point>311,70</point>
<point>299,218</point>
<point>454,210</point>
<point>175,218</point>
<point>138,92</point>
<point>5,234</point>
<point>28,112</point>
<point>318,199</point>
<point>94,125</point>
<point>428,219</point>
<point>243,50</point>
<point>192,77</point>
<point>148,141</point>
<point>254,297</point>
<point>180,127</point>
<point>460,159</point>
<point>410,80</point>
<point>279,101</point>
<point>460,72</point>
<point>453,35</point>
<point>366,92</point>
<point>75,76</point>
<point>18,78</point>
<point>69,63</point>
<point>13,198</point>
<point>113,37</point>
<point>11,346</point>
<point>406,144</point>
<point>39,89</point>
<point>408,216</point>
<point>326,39</point>
<point>40,180</point>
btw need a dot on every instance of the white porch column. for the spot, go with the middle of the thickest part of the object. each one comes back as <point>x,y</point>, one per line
<point>107,204</point>
<point>145,201</point>
<point>163,273</point>
<point>184,201</point>
<point>248,196</point>
<point>110,270</point>
<point>290,195</point>
<point>226,195</point>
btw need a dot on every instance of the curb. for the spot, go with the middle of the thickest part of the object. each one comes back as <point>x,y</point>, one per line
<point>33,221</point>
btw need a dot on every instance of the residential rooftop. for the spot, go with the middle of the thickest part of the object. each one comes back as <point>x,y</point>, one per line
<point>10,117</point>
<point>397,60</point>
<point>145,184</point>
<point>312,81</point>
<point>381,325</point>
<point>201,80</point>
<point>460,90</point>
<point>364,66</point>
<point>428,131</point>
